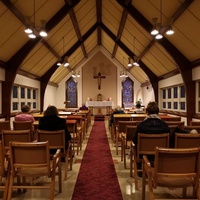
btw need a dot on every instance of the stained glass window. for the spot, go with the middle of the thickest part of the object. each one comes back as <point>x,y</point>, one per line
<point>71,92</point>
<point>127,91</point>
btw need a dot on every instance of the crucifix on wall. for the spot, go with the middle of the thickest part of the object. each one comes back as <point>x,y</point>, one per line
<point>99,77</point>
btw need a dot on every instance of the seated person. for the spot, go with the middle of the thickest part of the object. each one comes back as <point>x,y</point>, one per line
<point>52,122</point>
<point>24,116</point>
<point>117,110</point>
<point>83,107</point>
<point>152,124</point>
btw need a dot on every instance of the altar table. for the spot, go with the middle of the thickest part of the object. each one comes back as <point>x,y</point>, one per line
<point>100,104</point>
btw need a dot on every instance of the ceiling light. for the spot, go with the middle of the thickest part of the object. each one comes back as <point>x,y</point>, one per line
<point>135,59</point>
<point>74,75</point>
<point>123,74</point>
<point>32,36</point>
<point>43,32</point>
<point>59,63</point>
<point>155,27</point>
<point>64,61</point>
<point>31,27</point>
<point>158,26</point>
<point>28,30</point>
<point>129,62</point>
<point>158,36</point>
<point>170,31</point>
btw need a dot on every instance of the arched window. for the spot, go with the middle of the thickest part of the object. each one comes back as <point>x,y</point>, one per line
<point>127,91</point>
<point>71,92</point>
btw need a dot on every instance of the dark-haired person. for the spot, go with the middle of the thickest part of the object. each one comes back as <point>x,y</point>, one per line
<point>152,124</point>
<point>83,107</point>
<point>24,116</point>
<point>52,122</point>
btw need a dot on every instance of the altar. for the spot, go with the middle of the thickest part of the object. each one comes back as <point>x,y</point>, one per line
<point>100,104</point>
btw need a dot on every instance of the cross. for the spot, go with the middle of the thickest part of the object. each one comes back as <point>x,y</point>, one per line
<point>99,77</point>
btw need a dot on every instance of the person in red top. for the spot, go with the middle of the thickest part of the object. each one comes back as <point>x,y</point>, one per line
<point>24,116</point>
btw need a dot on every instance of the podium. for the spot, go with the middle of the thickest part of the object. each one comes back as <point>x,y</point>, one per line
<point>66,104</point>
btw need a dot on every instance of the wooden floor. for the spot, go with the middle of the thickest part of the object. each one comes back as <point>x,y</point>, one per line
<point>126,182</point>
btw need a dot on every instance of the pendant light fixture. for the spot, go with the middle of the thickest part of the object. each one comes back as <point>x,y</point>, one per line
<point>31,28</point>
<point>135,60</point>
<point>64,61</point>
<point>156,31</point>
<point>123,73</point>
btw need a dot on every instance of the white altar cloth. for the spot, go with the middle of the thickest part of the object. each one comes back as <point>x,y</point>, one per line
<point>99,103</point>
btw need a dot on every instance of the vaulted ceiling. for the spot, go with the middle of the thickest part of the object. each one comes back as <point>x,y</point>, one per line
<point>76,27</point>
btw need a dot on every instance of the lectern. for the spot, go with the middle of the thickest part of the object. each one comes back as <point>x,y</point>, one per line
<point>66,104</point>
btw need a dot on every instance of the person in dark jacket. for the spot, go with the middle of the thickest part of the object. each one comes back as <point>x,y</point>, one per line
<point>152,124</point>
<point>52,122</point>
<point>83,107</point>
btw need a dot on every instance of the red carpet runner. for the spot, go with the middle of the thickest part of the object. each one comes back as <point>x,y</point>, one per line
<point>97,178</point>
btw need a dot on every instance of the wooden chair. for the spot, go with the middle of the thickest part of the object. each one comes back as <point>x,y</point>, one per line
<point>194,123</point>
<point>121,131</point>
<point>175,119</point>
<point>15,135</point>
<point>57,141</point>
<point>24,125</point>
<point>80,126</point>
<point>32,159</point>
<point>173,168</point>
<point>4,172</point>
<point>146,146</point>
<point>116,119</point>
<point>180,124</point>
<point>4,125</point>
<point>127,139</point>
<point>187,140</point>
<point>75,141</point>
<point>189,128</point>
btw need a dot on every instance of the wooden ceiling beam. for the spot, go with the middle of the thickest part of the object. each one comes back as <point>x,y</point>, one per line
<point>146,24</point>
<point>99,19</point>
<point>77,30</point>
<point>120,30</point>
<point>152,76</point>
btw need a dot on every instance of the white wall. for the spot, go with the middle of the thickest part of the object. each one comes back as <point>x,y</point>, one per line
<point>60,92</point>
<point>49,96</point>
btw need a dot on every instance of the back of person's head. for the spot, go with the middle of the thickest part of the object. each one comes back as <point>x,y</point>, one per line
<point>118,108</point>
<point>152,108</point>
<point>25,108</point>
<point>51,111</point>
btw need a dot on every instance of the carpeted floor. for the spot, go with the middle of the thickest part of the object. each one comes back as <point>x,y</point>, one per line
<point>97,178</point>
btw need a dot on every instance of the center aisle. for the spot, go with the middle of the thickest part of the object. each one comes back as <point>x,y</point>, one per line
<point>97,178</point>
